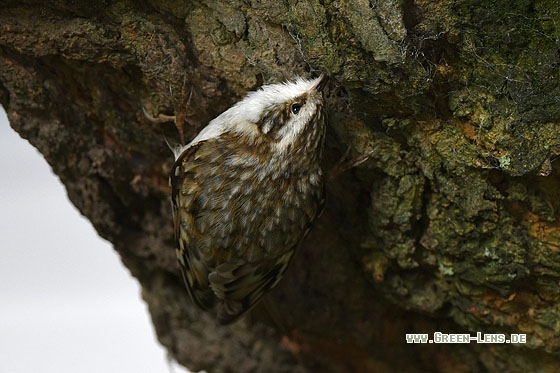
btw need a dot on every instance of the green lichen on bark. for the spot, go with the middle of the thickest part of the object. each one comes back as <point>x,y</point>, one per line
<point>481,231</point>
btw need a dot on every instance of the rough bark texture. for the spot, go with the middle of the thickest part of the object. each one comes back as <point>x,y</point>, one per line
<point>452,225</point>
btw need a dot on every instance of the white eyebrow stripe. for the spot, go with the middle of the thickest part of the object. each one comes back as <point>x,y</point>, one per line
<point>248,111</point>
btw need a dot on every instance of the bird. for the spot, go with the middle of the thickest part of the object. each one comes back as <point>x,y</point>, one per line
<point>245,191</point>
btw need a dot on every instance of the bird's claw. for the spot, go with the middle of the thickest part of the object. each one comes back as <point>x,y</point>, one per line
<point>343,166</point>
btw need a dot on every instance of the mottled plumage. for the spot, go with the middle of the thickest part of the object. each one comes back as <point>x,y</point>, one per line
<point>245,192</point>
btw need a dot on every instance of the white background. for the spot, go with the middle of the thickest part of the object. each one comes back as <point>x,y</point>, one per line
<point>67,304</point>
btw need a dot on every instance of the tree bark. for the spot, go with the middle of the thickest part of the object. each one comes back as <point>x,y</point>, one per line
<point>451,225</point>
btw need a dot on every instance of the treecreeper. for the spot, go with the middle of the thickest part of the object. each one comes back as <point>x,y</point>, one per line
<point>245,192</point>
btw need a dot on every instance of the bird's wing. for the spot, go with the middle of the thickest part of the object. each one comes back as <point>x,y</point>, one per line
<point>184,191</point>
<point>215,276</point>
<point>240,285</point>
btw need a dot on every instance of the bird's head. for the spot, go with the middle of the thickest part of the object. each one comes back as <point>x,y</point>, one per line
<point>287,116</point>
<point>285,113</point>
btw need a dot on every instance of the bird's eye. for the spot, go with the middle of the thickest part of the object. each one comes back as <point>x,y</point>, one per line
<point>295,108</point>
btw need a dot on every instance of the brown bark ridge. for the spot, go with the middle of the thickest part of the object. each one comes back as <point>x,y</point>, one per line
<point>451,225</point>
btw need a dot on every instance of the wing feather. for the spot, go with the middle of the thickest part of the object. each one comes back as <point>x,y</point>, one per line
<point>223,267</point>
<point>240,288</point>
<point>184,192</point>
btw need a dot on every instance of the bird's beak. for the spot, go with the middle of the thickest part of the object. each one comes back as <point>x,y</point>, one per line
<point>320,82</point>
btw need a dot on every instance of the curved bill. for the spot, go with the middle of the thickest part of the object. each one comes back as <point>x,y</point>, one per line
<point>320,82</point>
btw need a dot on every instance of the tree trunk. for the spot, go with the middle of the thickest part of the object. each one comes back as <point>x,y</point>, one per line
<point>451,225</point>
